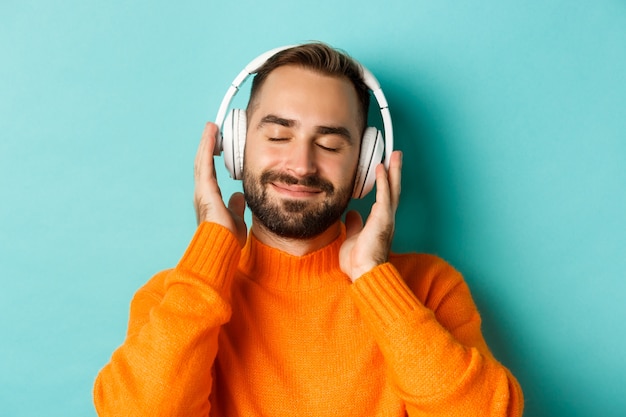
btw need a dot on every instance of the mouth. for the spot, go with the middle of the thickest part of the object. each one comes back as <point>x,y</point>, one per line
<point>295,190</point>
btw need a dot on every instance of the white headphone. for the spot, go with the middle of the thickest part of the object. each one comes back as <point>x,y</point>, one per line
<point>233,129</point>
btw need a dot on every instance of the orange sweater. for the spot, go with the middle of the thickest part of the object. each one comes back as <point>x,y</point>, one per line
<point>258,332</point>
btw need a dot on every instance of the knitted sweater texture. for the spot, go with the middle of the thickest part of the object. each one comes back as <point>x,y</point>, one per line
<point>258,332</point>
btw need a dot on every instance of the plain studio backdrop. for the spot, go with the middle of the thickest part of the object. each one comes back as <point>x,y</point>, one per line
<point>511,115</point>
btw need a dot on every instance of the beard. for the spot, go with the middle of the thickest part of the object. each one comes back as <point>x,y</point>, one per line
<point>295,219</point>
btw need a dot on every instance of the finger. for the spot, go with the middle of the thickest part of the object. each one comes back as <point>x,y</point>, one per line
<point>237,204</point>
<point>383,195</point>
<point>354,223</point>
<point>395,178</point>
<point>204,167</point>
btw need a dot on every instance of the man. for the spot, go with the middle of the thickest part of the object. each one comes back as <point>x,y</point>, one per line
<point>303,316</point>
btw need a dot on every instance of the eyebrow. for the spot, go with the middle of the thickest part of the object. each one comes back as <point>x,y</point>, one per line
<point>323,130</point>
<point>273,119</point>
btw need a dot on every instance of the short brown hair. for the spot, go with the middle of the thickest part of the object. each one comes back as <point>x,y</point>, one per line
<point>319,57</point>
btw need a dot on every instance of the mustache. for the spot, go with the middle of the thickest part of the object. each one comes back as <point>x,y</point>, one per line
<point>313,181</point>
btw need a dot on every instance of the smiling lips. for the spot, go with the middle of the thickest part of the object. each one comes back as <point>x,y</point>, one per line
<point>291,187</point>
<point>295,190</point>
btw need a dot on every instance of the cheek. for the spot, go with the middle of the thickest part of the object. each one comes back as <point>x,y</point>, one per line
<point>342,173</point>
<point>255,158</point>
<point>260,164</point>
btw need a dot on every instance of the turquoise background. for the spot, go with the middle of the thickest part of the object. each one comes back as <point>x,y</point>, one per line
<point>512,117</point>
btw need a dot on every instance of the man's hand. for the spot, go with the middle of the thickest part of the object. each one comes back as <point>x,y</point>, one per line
<point>207,195</point>
<point>369,246</point>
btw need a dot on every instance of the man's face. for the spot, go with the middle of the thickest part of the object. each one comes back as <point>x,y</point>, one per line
<point>302,149</point>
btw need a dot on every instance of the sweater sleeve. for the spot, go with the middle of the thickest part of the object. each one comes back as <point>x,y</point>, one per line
<point>429,334</point>
<point>163,368</point>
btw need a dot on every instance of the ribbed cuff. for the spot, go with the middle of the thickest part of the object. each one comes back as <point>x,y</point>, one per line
<point>212,255</point>
<point>383,295</point>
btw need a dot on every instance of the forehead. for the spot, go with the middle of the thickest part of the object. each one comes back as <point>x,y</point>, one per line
<point>307,93</point>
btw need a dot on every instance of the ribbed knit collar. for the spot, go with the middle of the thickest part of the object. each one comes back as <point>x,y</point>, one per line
<point>274,268</point>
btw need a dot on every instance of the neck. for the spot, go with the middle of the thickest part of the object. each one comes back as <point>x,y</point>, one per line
<point>293,246</point>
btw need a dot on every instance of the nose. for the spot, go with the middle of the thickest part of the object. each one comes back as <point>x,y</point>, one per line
<point>300,159</point>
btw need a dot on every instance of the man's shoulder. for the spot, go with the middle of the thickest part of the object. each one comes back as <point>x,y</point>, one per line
<point>426,273</point>
<point>155,286</point>
<point>421,263</point>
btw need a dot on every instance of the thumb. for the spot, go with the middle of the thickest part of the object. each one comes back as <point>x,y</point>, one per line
<point>354,223</point>
<point>237,204</point>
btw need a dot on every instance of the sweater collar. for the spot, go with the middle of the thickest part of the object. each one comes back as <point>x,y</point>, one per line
<point>272,267</point>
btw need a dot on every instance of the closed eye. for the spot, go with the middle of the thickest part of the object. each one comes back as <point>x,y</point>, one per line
<point>327,148</point>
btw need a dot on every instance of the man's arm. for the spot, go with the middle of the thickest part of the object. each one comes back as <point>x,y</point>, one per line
<point>432,344</point>
<point>164,365</point>
<point>428,330</point>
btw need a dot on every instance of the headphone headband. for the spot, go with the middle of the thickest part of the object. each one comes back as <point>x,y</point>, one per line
<point>253,66</point>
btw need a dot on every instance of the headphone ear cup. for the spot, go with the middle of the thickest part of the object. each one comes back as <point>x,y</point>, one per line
<point>234,142</point>
<point>371,155</point>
